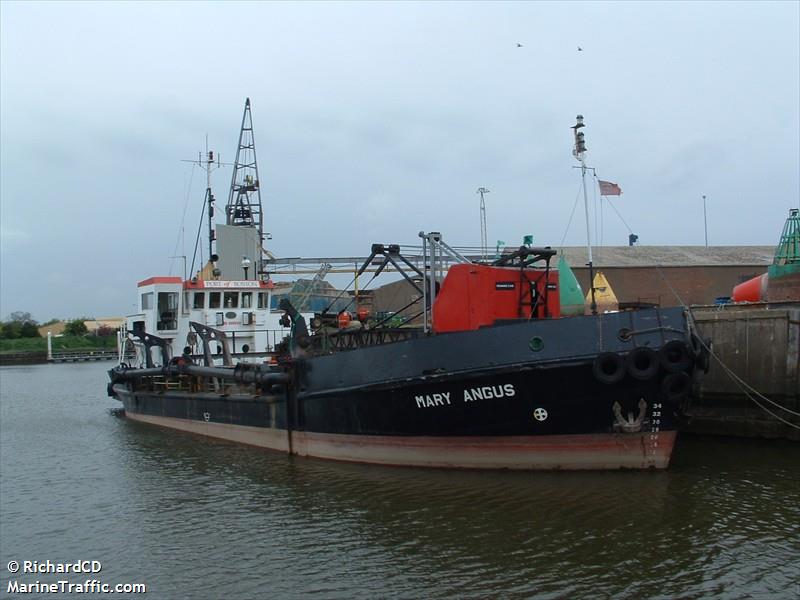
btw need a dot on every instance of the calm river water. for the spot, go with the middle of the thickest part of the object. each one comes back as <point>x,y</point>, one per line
<point>196,518</point>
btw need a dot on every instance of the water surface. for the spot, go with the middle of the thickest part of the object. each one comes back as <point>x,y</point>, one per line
<point>198,518</point>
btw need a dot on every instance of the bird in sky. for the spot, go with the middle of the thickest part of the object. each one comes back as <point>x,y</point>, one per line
<point>580,49</point>
<point>519,45</point>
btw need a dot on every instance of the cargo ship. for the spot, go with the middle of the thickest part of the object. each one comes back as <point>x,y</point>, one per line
<point>494,377</point>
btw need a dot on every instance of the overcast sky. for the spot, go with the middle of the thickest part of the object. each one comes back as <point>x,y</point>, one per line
<point>376,120</point>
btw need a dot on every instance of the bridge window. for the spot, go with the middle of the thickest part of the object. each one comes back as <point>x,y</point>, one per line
<point>167,310</point>
<point>247,299</point>
<point>231,299</point>
<point>262,300</point>
<point>214,299</point>
<point>147,301</point>
<point>199,299</point>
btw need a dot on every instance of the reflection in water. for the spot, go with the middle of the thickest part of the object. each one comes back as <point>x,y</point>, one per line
<point>213,519</point>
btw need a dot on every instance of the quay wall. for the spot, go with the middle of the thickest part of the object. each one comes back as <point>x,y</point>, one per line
<point>23,358</point>
<point>759,343</point>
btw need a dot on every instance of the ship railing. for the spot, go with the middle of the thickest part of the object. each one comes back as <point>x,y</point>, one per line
<point>134,350</point>
<point>274,337</point>
<point>350,339</point>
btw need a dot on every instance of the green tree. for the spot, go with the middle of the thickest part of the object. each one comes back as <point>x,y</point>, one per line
<point>19,316</point>
<point>75,327</point>
<point>10,330</point>
<point>29,330</point>
<point>20,324</point>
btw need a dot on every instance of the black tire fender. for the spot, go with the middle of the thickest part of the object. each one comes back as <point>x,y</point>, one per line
<point>675,357</point>
<point>642,363</point>
<point>608,368</point>
<point>676,386</point>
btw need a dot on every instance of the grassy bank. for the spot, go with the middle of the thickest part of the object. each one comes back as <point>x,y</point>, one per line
<point>67,342</point>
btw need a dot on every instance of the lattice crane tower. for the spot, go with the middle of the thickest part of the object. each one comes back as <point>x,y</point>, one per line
<point>244,202</point>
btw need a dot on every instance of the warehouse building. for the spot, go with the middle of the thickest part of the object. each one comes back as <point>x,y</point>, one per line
<point>643,274</point>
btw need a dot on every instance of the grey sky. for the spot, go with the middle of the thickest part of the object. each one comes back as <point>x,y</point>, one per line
<point>376,120</point>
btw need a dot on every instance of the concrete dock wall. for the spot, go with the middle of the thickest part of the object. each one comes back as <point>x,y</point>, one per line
<point>760,343</point>
<point>23,358</point>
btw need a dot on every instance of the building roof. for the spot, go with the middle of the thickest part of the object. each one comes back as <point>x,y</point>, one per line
<point>155,280</point>
<point>56,328</point>
<point>92,325</point>
<point>670,256</point>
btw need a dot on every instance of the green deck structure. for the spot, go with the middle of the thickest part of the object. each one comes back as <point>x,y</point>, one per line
<point>787,253</point>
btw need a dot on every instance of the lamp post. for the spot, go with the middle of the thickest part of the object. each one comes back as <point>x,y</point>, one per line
<point>245,266</point>
<point>705,219</point>
<point>482,191</point>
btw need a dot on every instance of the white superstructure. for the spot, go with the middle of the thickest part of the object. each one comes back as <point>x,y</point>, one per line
<point>239,309</point>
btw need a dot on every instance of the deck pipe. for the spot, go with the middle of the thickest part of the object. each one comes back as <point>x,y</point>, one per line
<point>240,373</point>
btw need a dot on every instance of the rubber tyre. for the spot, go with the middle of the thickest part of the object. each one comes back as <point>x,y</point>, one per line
<point>608,368</point>
<point>675,357</point>
<point>676,386</point>
<point>642,363</point>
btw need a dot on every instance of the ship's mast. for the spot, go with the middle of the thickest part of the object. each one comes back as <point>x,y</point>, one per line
<point>244,201</point>
<point>208,162</point>
<point>579,152</point>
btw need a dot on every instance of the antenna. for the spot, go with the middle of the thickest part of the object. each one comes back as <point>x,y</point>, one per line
<point>183,256</point>
<point>244,201</point>
<point>208,162</point>
<point>484,250</point>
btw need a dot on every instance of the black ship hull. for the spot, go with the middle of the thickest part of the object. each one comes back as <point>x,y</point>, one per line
<point>598,392</point>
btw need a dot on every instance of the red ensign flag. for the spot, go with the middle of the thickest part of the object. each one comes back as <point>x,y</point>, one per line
<point>609,189</point>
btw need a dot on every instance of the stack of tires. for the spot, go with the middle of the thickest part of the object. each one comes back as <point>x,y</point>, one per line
<point>675,359</point>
